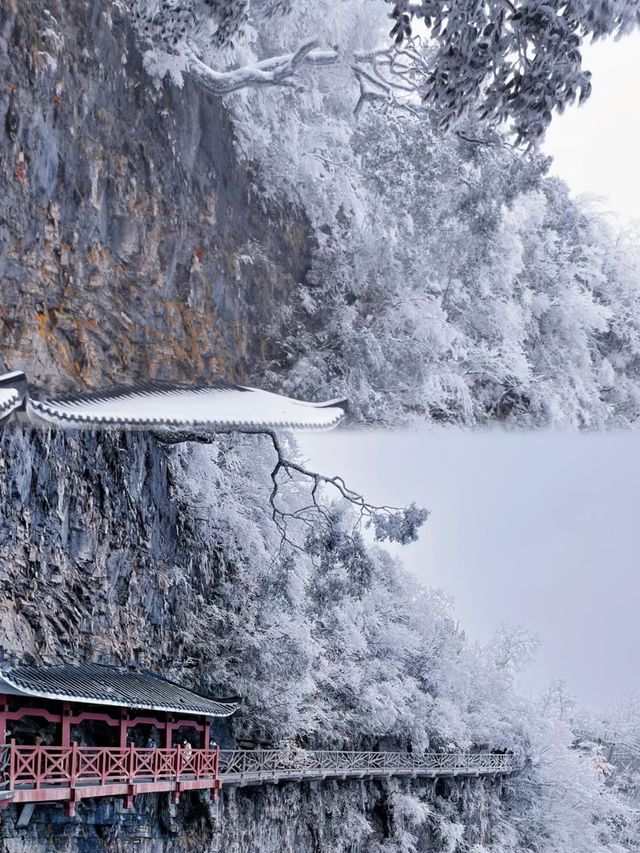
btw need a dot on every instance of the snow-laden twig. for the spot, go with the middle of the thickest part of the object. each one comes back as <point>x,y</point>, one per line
<point>398,524</point>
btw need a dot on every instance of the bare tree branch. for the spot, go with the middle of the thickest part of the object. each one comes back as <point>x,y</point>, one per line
<point>389,522</point>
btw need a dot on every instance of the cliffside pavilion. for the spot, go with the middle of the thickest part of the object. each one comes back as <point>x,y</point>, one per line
<point>103,707</point>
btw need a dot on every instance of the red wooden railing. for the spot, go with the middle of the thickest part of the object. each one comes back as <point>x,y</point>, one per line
<point>49,766</point>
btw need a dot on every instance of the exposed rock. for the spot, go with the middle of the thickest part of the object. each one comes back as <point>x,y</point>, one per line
<point>132,242</point>
<point>95,563</point>
<point>335,817</point>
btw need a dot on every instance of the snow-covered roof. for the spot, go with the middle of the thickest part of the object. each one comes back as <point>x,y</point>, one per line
<point>97,684</point>
<point>220,406</point>
<point>10,400</point>
<point>12,387</point>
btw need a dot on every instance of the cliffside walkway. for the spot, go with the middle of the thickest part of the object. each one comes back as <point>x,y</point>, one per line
<point>36,774</point>
<point>249,767</point>
<point>616,748</point>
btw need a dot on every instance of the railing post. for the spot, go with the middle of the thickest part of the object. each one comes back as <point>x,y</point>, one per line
<point>12,763</point>
<point>131,763</point>
<point>73,762</point>
<point>37,765</point>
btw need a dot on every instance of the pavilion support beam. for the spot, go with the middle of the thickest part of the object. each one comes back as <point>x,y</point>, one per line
<point>65,738</point>
<point>4,708</point>
<point>124,727</point>
<point>25,815</point>
<point>70,804</point>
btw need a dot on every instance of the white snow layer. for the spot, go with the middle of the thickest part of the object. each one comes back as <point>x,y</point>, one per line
<point>10,399</point>
<point>225,408</point>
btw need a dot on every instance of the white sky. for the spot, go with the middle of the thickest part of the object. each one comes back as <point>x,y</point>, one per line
<point>539,529</point>
<point>595,147</point>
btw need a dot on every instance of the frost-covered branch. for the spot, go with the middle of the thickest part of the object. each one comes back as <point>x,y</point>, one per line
<point>276,71</point>
<point>390,523</point>
<point>499,61</point>
<point>378,74</point>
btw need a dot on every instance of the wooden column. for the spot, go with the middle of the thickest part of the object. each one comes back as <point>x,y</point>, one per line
<point>66,725</point>
<point>4,707</point>
<point>168,732</point>
<point>124,727</point>
<point>206,734</point>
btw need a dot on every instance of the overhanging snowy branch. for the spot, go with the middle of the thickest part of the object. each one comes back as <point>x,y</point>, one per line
<point>396,75</point>
<point>390,523</point>
<point>276,71</point>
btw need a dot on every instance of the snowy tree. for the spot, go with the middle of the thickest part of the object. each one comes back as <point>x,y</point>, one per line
<point>510,61</point>
<point>513,647</point>
<point>452,281</point>
<point>500,61</point>
<point>558,703</point>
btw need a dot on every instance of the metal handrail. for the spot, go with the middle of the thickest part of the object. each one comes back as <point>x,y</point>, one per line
<point>291,761</point>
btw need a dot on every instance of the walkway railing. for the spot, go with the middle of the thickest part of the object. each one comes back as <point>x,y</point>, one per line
<point>49,766</point>
<point>45,773</point>
<point>617,748</point>
<point>281,764</point>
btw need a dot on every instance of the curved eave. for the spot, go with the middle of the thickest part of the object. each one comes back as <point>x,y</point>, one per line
<point>221,709</point>
<point>49,413</point>
<point>10,400</point>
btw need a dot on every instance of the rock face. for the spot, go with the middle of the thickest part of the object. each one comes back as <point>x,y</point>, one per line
<point>100,559</point>
<point>132,242</point>
<point>93,562</point>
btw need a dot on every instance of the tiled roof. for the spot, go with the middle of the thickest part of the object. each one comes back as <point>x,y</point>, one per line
<point>219,406</point>
<point>10,400</point>
<point>96,684</point>
<point>12,391</point>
